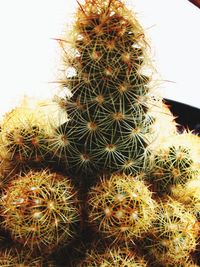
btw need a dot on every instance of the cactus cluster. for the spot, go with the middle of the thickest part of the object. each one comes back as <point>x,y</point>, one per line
<point>112,183</point>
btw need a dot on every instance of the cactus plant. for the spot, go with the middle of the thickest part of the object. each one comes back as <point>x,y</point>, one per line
<point>174,162</point>
<point>175,234</point>
<point>121,207</point>
<point>140,192</point>
<point>172,166</point>
<point>40,209</point>
<point>109,121</point>
<point>24,136</point>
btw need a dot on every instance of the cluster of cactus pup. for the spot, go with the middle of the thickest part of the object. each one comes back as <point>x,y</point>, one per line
<point>114,184</point>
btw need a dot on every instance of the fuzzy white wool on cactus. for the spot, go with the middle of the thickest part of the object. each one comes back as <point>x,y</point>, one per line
<point>29,57</point>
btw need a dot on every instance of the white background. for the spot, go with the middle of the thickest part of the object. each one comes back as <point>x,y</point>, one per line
<point>28,54</point>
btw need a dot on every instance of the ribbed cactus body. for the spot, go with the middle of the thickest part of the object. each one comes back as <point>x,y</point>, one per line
<point>40,210</point>
<point>175,235</point>
<point>121,208</point>
<point>172,166</point>
<point>108,108</point>
<point>23,137</point>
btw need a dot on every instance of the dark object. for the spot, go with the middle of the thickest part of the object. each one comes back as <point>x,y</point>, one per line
<point>195,2</point>
<point>187,116</point>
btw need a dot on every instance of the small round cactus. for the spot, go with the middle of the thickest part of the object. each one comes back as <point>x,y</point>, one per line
<point>40,209</point>
<point>24,134</point>
<point>174,161</point>
<point>175,234</point>
<point>121,207</point>
<point>172,166</point>
<point>114,256</point>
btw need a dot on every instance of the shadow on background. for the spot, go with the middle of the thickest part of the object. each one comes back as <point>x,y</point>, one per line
<point>187,116</point>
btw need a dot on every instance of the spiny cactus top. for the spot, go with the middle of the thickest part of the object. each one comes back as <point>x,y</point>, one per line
<point>175,234</point>
<point>23,137</point>
<point>108,108</point>
<point>121,208</point>
<point>40,210</point>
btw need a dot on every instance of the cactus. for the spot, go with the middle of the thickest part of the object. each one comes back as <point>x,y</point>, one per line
<point>109,122</point>
<point>121,207</point>
<point>40,210</point>
<point>175,161</point>
<point>24,135</point>
<point>140,192</point>
<point>172,166</point>
<point>175,234</point>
